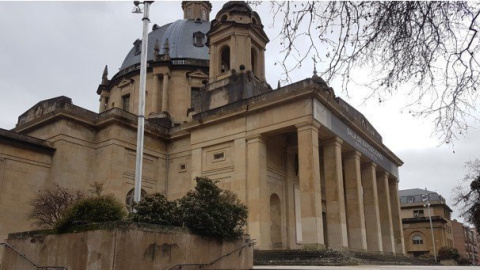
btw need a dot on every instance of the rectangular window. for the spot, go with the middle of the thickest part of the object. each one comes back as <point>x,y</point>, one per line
<point>418,213</point>
<point>182,167</point>
<point>219,156</point>
<point>126,102</point>
<point>195,98</point>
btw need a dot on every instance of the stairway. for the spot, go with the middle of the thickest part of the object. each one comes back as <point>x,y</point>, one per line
<point>330,257</point>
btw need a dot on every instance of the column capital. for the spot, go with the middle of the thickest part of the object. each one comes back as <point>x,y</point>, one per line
<point>334,140</point>
<point>308,125</point>
<point>383,174</point>
<point>393,180</point>
<point>369,164</point>
<point>354,154</point>
<point>255,138</point>
<point>166,74</point>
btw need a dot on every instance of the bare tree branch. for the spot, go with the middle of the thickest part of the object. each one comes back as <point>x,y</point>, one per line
<point>426,50</point>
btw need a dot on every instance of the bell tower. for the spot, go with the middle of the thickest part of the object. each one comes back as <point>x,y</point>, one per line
<point>237,42</point>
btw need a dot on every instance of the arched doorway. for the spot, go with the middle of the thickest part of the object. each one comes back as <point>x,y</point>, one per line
<point>275,222</point>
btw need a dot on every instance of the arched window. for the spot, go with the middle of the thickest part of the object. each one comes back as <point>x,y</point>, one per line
<point>254,57</point>
<point>225,59</point>
<point>417,240</point>
<point>129,199</point>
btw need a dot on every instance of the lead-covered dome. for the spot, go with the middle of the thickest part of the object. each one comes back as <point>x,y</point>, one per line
<point>186,39</point>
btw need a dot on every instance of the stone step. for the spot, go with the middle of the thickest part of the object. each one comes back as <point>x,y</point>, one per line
<point>330,257</point>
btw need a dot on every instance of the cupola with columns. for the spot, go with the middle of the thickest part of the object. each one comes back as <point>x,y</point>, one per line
<point>196,10</point>
<point>237,42</point>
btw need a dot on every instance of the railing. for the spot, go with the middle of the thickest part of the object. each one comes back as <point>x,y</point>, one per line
<point>6,245</point>
<point>201,265</point>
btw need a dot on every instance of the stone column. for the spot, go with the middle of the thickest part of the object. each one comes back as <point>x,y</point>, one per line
<point>396,219</point>
<point>370,204</point>
<point>165,93</point>
<point>385,212</point>
<point>310,190</point>
<point>257,196</point>
<point>357,235</point>
<point>335,199</point>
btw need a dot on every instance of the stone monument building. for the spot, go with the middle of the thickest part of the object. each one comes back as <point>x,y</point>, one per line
<point>312,170</point>
<point>416,222</point>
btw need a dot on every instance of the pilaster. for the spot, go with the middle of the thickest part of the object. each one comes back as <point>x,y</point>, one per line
<point>154,94</point>
<point>165,92</point>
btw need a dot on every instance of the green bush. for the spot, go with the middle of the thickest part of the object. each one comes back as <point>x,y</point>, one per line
<point>210,211</point>
<point>447,253</point>
<point>102,208</point>
<point>156,209</point>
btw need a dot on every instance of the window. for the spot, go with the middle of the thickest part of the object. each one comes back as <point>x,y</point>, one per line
<point>182,167</point>
<point>417,240</point>
<point>418,213</point>
<point>105,105</point>
<point>195,98</point>
<point>254,58</point>
<point>410,199</point>
<point>129,199</point>
<point>219,156</point>
<point>225,59</point>
<point>126,102</point>
<point>138,47</point>
<point>198,39</point>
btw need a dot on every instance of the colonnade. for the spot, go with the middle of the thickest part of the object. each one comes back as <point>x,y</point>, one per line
<point>362,205</point>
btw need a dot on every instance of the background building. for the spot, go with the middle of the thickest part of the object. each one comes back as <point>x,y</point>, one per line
<point>312,170</point>
<point>466,240</point>
<point>416,222</point>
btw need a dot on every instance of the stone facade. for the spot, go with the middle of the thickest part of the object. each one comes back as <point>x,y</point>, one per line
<point>312,170</point>
<point>416,222</point>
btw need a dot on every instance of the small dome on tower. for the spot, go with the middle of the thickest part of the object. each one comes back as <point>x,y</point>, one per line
<point>239,12</point>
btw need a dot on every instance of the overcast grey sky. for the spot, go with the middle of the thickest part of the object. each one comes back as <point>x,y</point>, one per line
<point>50,49</point>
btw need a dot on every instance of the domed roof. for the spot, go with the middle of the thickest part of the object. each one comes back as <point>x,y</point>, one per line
<point>181,41</point>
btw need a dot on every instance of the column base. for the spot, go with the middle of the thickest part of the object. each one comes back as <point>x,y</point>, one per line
<point>314,246</point>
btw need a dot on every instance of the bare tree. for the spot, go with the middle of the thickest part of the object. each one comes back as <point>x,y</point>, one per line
<point>429,48</point>
<point>50,204</point>
<point>468,199</point>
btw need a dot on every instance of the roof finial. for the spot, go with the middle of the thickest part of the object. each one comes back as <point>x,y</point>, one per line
<point>156,50</point>
<point>105,76</point>
<point>314,66</point>
<point>166,50</point>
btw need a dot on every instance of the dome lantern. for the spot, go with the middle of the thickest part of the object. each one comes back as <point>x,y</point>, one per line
<point>194,10</point>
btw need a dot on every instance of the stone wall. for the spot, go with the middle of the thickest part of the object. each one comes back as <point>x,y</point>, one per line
<point>127,246</point>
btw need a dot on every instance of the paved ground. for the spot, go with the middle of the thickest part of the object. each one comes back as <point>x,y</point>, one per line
<point>365,267</point>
